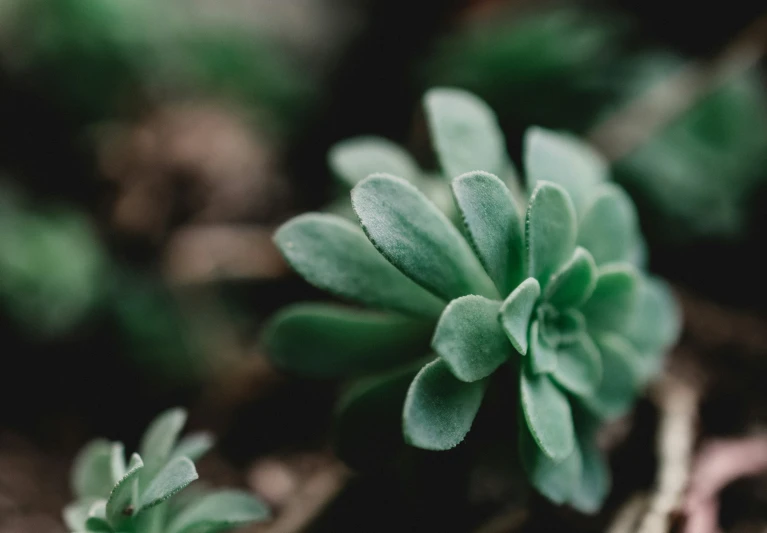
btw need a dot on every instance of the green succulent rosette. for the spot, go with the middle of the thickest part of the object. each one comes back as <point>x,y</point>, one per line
<point>549,284</point>
<point>142,494</point>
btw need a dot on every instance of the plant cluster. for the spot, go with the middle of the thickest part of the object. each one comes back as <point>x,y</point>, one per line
<point>140,495</point>
<point>549,285</point>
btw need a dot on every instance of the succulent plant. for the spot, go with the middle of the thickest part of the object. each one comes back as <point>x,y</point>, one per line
<point>550,286</point>
<point>140,495</point>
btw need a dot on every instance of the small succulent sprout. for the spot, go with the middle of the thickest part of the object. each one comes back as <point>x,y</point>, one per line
<point>548,283</point>
<point>115,496</point>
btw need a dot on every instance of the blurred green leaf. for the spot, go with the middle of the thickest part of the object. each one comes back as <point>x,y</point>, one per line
<point>330,341</point>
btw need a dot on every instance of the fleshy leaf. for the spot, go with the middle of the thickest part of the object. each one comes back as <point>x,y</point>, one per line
<point>355,159</point>
<point>91,473</point>
<point>557,480</point>
<point>543,356</point>
<point>117,462</point>
<point>96,520</point>
<point>594,483</point>
<point>550,231</point>
<point>160,439</point>
<point>121,498</point>
<point>173,477</point>
<point>570,324</point>
<point>611,305</point>
<point>368,428</point>
<point>516,312</point>
<point>574,282</point>
<point>194,446</point>
<point>222,510</point>
<point>565,160</point>
<point>579,366</point>
<point>76,514</point>
<point>548,414</point>
<point>418,239</point>
<point>333,254</point>
<point>469,338</point>
<point>439,409</point>
<point>620,382</point>
<point>465,133</point>
<point>657,319</point>
<point>324,340</point>
<point>493,225</point>
<point>610,228</point>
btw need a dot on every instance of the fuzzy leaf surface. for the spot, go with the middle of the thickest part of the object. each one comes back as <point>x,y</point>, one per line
<point>335,255</point>
<point>470,339</point>
<point>418,239</point>
<point>439,408</point>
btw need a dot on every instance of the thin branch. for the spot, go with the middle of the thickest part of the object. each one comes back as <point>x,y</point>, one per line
<point>678,403</point>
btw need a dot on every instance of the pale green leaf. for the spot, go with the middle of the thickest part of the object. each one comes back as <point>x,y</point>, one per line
<point>570,324</point>
<point>574,282</point>
<point>91,473</point>
<point>579,366</point>
<point>550,231</point>
<point>564,159</point>
<point>333,254</point>
<point>465,133</point>
<point>610,228</point>
<point>219,511</point>
<point>656,323</point>
<point>611,305</point>
<point>418,239</point>
<point>323,340</point>
<point>76,514</point>
<point>594,483</point>
<point>119,507</point>
<point>117,462</point>
<point>620,380</point>
<point>557,480</point>
<point>439,409</point>
<point>543,355</point>
<point>159,440</point>
<point>493,225</point>
<point>516,312</point>
<point>469,338</point>
<point>355,159</point>
<point>547,413</point>
<point>194,446</point>
<point>173,477</point>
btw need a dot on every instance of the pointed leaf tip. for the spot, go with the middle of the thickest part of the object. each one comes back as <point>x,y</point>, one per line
<point>516,313</point>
